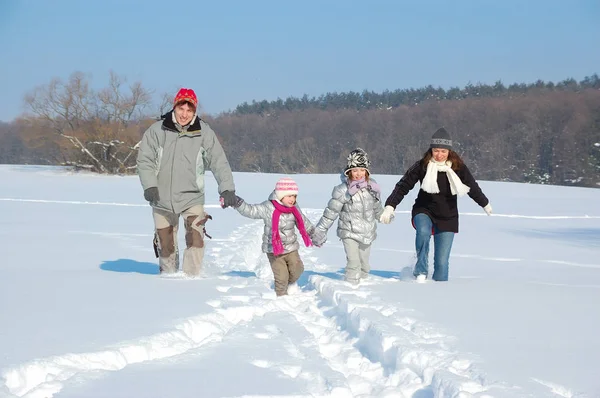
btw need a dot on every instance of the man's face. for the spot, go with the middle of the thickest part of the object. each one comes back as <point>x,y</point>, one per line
<point>184,113</point>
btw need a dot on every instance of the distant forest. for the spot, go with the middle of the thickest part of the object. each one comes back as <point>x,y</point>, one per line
<point>541,132</point>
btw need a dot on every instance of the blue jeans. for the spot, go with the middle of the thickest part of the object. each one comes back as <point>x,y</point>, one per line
<point>442,245</point>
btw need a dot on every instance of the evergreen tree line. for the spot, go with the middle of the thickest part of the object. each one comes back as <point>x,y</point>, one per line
<point>392,99</point>
<point>547,137</point>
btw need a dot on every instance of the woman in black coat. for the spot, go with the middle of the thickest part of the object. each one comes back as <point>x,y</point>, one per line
<point>443,176</point>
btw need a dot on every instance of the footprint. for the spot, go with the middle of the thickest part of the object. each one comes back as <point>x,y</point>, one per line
<point>460,366</point>
<point>261,363</point>
<point>291,371</point>
<point>293,351</point>
<point>240,286</point>
<point>239,299</point>
<point>274,329</point>
<point>214,303</point>
<point>388,311</point>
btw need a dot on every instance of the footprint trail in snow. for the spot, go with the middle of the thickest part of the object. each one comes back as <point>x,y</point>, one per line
<point>346,341</point>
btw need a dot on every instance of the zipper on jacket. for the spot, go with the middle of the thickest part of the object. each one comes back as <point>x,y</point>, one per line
<point>364,202</point>
<point>172,171</point>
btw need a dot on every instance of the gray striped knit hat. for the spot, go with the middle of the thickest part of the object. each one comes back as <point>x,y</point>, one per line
<point>441,139</point>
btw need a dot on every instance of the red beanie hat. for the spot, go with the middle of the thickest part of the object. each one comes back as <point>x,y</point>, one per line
<point>186,95</point>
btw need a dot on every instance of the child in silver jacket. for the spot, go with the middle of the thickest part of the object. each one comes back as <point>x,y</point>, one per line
<point>357,203</point>
<point>282,216</point>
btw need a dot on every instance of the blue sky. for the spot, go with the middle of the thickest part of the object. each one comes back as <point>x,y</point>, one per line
<point>234,51</point>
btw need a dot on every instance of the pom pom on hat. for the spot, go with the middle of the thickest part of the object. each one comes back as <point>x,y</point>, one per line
<point>284,187</point>
<point>186,95</point>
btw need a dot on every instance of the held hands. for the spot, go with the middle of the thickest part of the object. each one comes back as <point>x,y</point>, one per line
<point>488,209</point>
<point>151,195</point>
<point>237,204</point>
<point>387,216</point>
<point>228,199</point>
<point>318,238</point>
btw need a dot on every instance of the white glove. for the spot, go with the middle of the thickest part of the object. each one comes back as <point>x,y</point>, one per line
<point>488,209</point>
<point>388,215</point>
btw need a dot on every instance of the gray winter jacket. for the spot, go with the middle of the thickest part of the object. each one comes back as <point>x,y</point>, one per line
<point>287,224</point>
<point>174,159</point>
<point>358,213</point>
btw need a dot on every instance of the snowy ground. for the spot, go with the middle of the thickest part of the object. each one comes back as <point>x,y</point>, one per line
<point>84,313</point>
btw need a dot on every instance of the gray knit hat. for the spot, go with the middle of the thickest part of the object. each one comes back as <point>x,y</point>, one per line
<point>441,139</point>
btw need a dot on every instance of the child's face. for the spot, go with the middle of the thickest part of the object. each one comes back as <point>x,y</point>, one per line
<point>357,173</point>
<point>289,200</point>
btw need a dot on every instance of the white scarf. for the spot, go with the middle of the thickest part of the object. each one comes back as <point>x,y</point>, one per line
<point>430,184</point>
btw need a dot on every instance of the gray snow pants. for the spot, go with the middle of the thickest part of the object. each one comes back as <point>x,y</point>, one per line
<point>357,260</point>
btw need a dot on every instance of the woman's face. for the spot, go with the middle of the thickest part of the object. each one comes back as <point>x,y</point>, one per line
<point>289,200</point>
<point>440,154</point>
<point>357,173</point>
<point>184,113</point>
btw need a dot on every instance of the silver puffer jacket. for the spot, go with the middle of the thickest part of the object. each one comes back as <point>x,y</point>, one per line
<point>287,224</point>
<point>358,213</point>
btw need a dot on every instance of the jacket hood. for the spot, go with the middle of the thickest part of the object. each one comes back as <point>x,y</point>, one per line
<point>273,196</point>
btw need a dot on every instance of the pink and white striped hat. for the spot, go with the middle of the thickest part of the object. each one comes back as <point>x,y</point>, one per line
<point>285,186</point>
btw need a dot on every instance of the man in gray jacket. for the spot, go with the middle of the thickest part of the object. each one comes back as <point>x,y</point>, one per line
<point>172,158</point>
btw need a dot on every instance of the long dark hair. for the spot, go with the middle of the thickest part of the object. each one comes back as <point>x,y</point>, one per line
<point>456,160</point>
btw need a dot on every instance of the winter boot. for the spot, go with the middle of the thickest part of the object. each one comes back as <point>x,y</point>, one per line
<point>168,265</point>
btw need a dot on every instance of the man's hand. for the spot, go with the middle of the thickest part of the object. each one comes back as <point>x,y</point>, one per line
<point>151,195</point>
<point>229,199</point>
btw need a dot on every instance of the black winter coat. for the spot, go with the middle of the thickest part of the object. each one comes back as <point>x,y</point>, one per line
<point>440,207</point>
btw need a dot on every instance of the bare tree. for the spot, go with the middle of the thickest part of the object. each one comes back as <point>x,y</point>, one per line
<point>101,126</point>
<point>166,103</point>
<point>115,105</point>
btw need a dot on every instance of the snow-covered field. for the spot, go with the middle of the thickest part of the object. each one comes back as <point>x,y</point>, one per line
<point>84,313</point>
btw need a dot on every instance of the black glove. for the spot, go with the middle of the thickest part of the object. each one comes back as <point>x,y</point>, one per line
<point>229,199</point>
<point>151,195</point>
